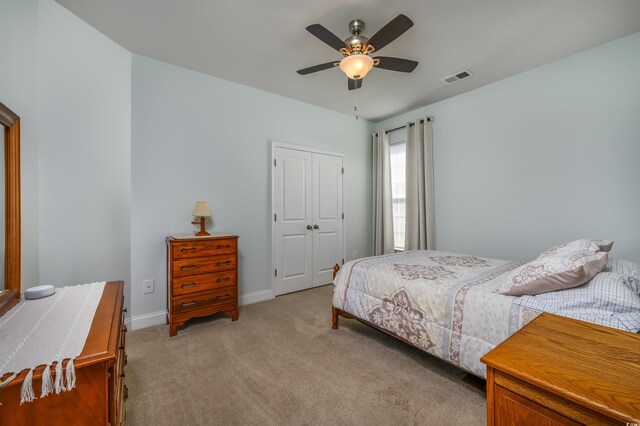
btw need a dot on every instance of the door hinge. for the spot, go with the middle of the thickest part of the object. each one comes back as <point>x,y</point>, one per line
<point>275,217</point>
<point>343,215</point>
<point>276,272</point>
<point>343,170</point>
<point>343,261</point>
<point>274,162</point>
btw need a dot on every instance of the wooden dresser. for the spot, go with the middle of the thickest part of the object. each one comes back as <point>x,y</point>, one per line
<point>202,278</point>
<point>100,392</point>
<point>560,371</point>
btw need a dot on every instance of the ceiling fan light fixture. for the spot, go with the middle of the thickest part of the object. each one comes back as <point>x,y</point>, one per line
<point>356,66</point>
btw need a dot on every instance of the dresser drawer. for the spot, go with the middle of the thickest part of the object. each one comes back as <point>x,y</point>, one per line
<point>203,265</point>
<point>204,282</point>
<point>190,249</point>
<point>205,299</point>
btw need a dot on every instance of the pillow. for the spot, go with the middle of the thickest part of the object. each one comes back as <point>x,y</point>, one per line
<point>609,299</point>
<point>604,245</point>
<point>578,245</point>
<point>565,269</point>
<point>628,269</point>
<point>623,267</point>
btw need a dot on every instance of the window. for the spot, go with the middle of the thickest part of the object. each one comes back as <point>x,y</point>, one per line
<point>398,153</point>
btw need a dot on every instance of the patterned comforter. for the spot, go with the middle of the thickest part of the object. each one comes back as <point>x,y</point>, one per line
<point>446,304</point>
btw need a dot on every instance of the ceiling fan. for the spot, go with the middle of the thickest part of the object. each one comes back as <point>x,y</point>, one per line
<point>356,50</point>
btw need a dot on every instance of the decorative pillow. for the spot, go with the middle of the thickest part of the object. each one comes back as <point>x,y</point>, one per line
<point>604,245</point>
<point>579,245</point>
<point>565,269</point>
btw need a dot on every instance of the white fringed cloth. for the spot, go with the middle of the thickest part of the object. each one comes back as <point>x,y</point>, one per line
<point>47,332</point>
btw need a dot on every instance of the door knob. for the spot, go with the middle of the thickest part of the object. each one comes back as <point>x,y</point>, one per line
<point>309,227</point>
<point>316,227</point>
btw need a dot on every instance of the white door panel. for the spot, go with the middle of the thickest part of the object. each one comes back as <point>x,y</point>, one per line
<point>295,253</point>
<point>293,213</point>
<point>327,216</point>
<point>326,253</point>
<point>294,193</point>
<point>327,176</point>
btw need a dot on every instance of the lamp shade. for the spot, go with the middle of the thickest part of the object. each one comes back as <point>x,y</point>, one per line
<point>202,209</point>
<point>356,66</point>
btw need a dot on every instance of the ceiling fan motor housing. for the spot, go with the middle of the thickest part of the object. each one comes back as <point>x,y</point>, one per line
<point>357,42</point>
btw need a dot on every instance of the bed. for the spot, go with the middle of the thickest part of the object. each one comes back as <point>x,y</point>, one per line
<point>448,304</point>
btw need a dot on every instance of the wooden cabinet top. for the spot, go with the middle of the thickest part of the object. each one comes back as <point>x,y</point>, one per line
<point>594,366</point>
<point>191,237</point>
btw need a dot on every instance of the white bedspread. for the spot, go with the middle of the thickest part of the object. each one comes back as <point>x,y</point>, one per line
<point>46,332</point>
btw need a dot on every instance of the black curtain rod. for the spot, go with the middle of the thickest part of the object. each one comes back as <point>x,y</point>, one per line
<point>410,124</point>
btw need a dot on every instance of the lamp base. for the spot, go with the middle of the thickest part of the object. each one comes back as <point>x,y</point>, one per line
<point>202,232</point>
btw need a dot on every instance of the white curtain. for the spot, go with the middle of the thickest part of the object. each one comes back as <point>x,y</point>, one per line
<point>420,232</point>
<point>382,203</point>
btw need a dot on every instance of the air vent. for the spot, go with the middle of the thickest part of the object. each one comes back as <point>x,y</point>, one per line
<point>457,76</point>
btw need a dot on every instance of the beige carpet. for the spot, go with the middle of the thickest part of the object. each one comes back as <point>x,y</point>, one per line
<point>281,364</point>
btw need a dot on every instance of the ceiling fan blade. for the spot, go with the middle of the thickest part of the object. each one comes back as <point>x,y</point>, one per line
<point>395,64</point>
<point>327,36</point>
<point>318,67</point>
<point>390,32</point>
<point>355,84</point>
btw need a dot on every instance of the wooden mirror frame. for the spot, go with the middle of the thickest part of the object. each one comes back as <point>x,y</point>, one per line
<point>11,294</point>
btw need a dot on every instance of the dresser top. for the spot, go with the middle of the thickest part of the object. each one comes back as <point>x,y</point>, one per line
<point>192,237</point>
<point>101,343</point>
<point>597,367</point>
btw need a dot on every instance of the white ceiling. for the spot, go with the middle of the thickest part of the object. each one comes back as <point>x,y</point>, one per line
<point>261,43</point>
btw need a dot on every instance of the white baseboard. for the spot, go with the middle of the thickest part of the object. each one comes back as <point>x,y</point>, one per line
<point>147,320</point>
<point>255,297</point>
<point>160,317</point>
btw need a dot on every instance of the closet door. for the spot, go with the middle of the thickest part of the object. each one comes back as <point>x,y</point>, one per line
<point>293,221</point>
<point>327,217</point>
<point>308,219</point>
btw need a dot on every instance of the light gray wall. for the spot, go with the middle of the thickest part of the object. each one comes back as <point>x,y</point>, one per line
<point>18,90</point>
<point>196,137</point>
<point>72,88</point>
<point>84,133</point>
<point>546,156</point>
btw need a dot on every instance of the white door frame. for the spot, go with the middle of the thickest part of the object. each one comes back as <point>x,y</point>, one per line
<point>278,144</point>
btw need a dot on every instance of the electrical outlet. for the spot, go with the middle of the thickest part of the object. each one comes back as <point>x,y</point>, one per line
<point>148,286</point>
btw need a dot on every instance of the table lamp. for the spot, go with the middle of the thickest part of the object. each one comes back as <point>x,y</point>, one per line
<point>201,209</point>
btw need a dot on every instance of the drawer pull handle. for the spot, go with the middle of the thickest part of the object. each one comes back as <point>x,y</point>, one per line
<point>227,246</point>
<point>226,296</point>
<point>184,268</point>
<point>122,375</point>
<point>126,392</point>
<point>188,285</point>
<point>184,250</point>
<point>224,263</point>
<point>223,280</point>
<point>189,303</point>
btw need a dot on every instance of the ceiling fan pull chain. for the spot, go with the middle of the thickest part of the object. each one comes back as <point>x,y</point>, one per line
<point>355,103</point>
